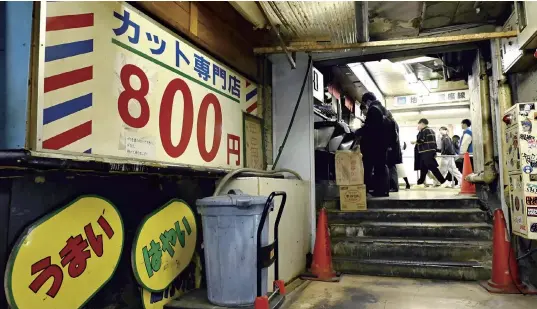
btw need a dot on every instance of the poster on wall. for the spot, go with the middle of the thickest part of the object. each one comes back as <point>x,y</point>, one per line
<point>113,83</point>
<point>253,142</point>
<point>64,258</point>
<point>164,245</point>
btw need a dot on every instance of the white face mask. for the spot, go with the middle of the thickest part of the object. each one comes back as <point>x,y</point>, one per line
<point>443,132</point>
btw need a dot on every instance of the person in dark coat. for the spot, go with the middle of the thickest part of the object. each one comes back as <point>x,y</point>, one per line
<point>426,145</point>
<point>374,145</point>
<point>395,156</point>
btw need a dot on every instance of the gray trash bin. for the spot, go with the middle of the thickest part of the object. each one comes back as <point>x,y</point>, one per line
<point>230,225</point>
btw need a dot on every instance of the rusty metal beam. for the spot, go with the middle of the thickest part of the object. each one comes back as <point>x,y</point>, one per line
<point>317,47</point>
<point>276,30</point>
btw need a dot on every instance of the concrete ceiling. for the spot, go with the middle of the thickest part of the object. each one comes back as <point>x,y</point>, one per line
<point>335,21</point>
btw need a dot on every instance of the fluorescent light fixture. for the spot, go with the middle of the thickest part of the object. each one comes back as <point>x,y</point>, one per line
<point>417,60</point>
<point>419,88</point>
<point>411,78</point>
<point>396,113</point>
<point>447,111</point>
<point>432,84</point>
<point>360,71</point>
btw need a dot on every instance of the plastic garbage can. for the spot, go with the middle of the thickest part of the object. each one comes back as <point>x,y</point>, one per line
<point>230,225</point>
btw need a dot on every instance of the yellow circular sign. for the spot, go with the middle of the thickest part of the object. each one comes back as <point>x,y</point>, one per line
<point>164,245</point>
<point>64,258</point>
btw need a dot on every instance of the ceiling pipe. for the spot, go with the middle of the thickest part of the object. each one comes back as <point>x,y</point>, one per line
<point>361,12</point>
<point>276,30</point>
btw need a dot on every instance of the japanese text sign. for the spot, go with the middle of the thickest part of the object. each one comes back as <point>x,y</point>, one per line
<point>164,245</point>
<point>115,83</point>
<point>63,259</point>
<point>188,280</point>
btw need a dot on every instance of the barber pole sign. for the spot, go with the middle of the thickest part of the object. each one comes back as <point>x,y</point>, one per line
<point>251,107</point>
<point>113,83</point>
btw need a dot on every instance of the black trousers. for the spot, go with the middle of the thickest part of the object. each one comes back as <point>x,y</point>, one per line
<point>459,163</point>
<point>428,163</point>
<point>394,178</point>
<point>377,182</point>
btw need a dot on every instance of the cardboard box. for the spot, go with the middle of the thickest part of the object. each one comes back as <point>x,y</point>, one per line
<point>353,198</point>
<point>349,168</point>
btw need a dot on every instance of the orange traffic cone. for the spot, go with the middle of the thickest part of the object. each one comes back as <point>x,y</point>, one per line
<point>505,278</point>
<point>466,187</point>
<point>321,267</point>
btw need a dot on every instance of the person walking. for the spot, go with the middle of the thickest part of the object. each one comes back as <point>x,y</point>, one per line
<point>374,145</point>
<point>456,146</point>
<point>447,162</point>
<point>426,144</point>
<point>466,144</point>
<point>395,156</point>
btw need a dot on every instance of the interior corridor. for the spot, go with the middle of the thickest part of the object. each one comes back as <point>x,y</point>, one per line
<point>363,292</point>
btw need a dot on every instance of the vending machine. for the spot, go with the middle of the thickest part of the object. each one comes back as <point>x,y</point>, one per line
<point>521,156</point>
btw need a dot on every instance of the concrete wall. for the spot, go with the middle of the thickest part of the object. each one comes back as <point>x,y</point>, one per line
<point>298,152</point>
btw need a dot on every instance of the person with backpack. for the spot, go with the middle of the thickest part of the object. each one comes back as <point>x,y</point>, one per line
<point>447,163</point>
<point>375,139</point>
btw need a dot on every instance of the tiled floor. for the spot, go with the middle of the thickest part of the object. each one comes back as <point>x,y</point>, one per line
<point>427,194</point>
<point>362,292</point>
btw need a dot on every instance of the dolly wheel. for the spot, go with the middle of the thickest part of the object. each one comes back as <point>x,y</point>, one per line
<point>261,302</point>
<point>280,285</point>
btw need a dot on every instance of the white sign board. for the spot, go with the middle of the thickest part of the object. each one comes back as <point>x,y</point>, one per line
<point>115,83</point>
<point>432,98</point>
<point>318,85</point>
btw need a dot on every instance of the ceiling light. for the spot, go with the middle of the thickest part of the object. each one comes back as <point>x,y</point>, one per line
<point>396,113</point>
<point>417,60</point>
<point>446,111</point>
<point>411,78</point>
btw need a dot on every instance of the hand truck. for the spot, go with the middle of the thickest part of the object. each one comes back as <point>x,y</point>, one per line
<point>268,255</point>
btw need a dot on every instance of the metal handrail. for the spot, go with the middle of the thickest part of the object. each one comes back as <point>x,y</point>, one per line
<point>443,156</point>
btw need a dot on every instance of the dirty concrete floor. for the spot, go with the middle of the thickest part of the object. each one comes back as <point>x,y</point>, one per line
<point>363,292</point>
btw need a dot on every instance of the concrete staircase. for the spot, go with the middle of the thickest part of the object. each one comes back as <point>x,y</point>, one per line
<point>435,239</point>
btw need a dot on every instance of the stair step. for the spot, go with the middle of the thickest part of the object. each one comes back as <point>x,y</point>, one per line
<point>459,250</point>
<point>440,203</point>
<point>408,215</point>
<point>470,230</point>
<point>413,269</point>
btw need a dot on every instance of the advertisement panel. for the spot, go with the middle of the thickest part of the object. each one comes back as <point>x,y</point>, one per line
<point>114,83</point>
<point>63,259</point>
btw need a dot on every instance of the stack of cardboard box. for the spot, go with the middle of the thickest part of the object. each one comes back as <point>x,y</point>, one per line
<point>350,179</point>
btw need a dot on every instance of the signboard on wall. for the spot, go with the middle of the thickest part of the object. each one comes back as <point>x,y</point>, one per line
<point>114,83</point>
<point>318,85</point>
<point>432,98</point>
<point>63,259</point>
<point>164,245</point>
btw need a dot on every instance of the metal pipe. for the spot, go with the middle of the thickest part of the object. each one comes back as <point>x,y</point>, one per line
<point>276,30</point>
<point>489,174</point>
<point>504,102</point>
<point>230,175</point>
<point>319,47</point>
